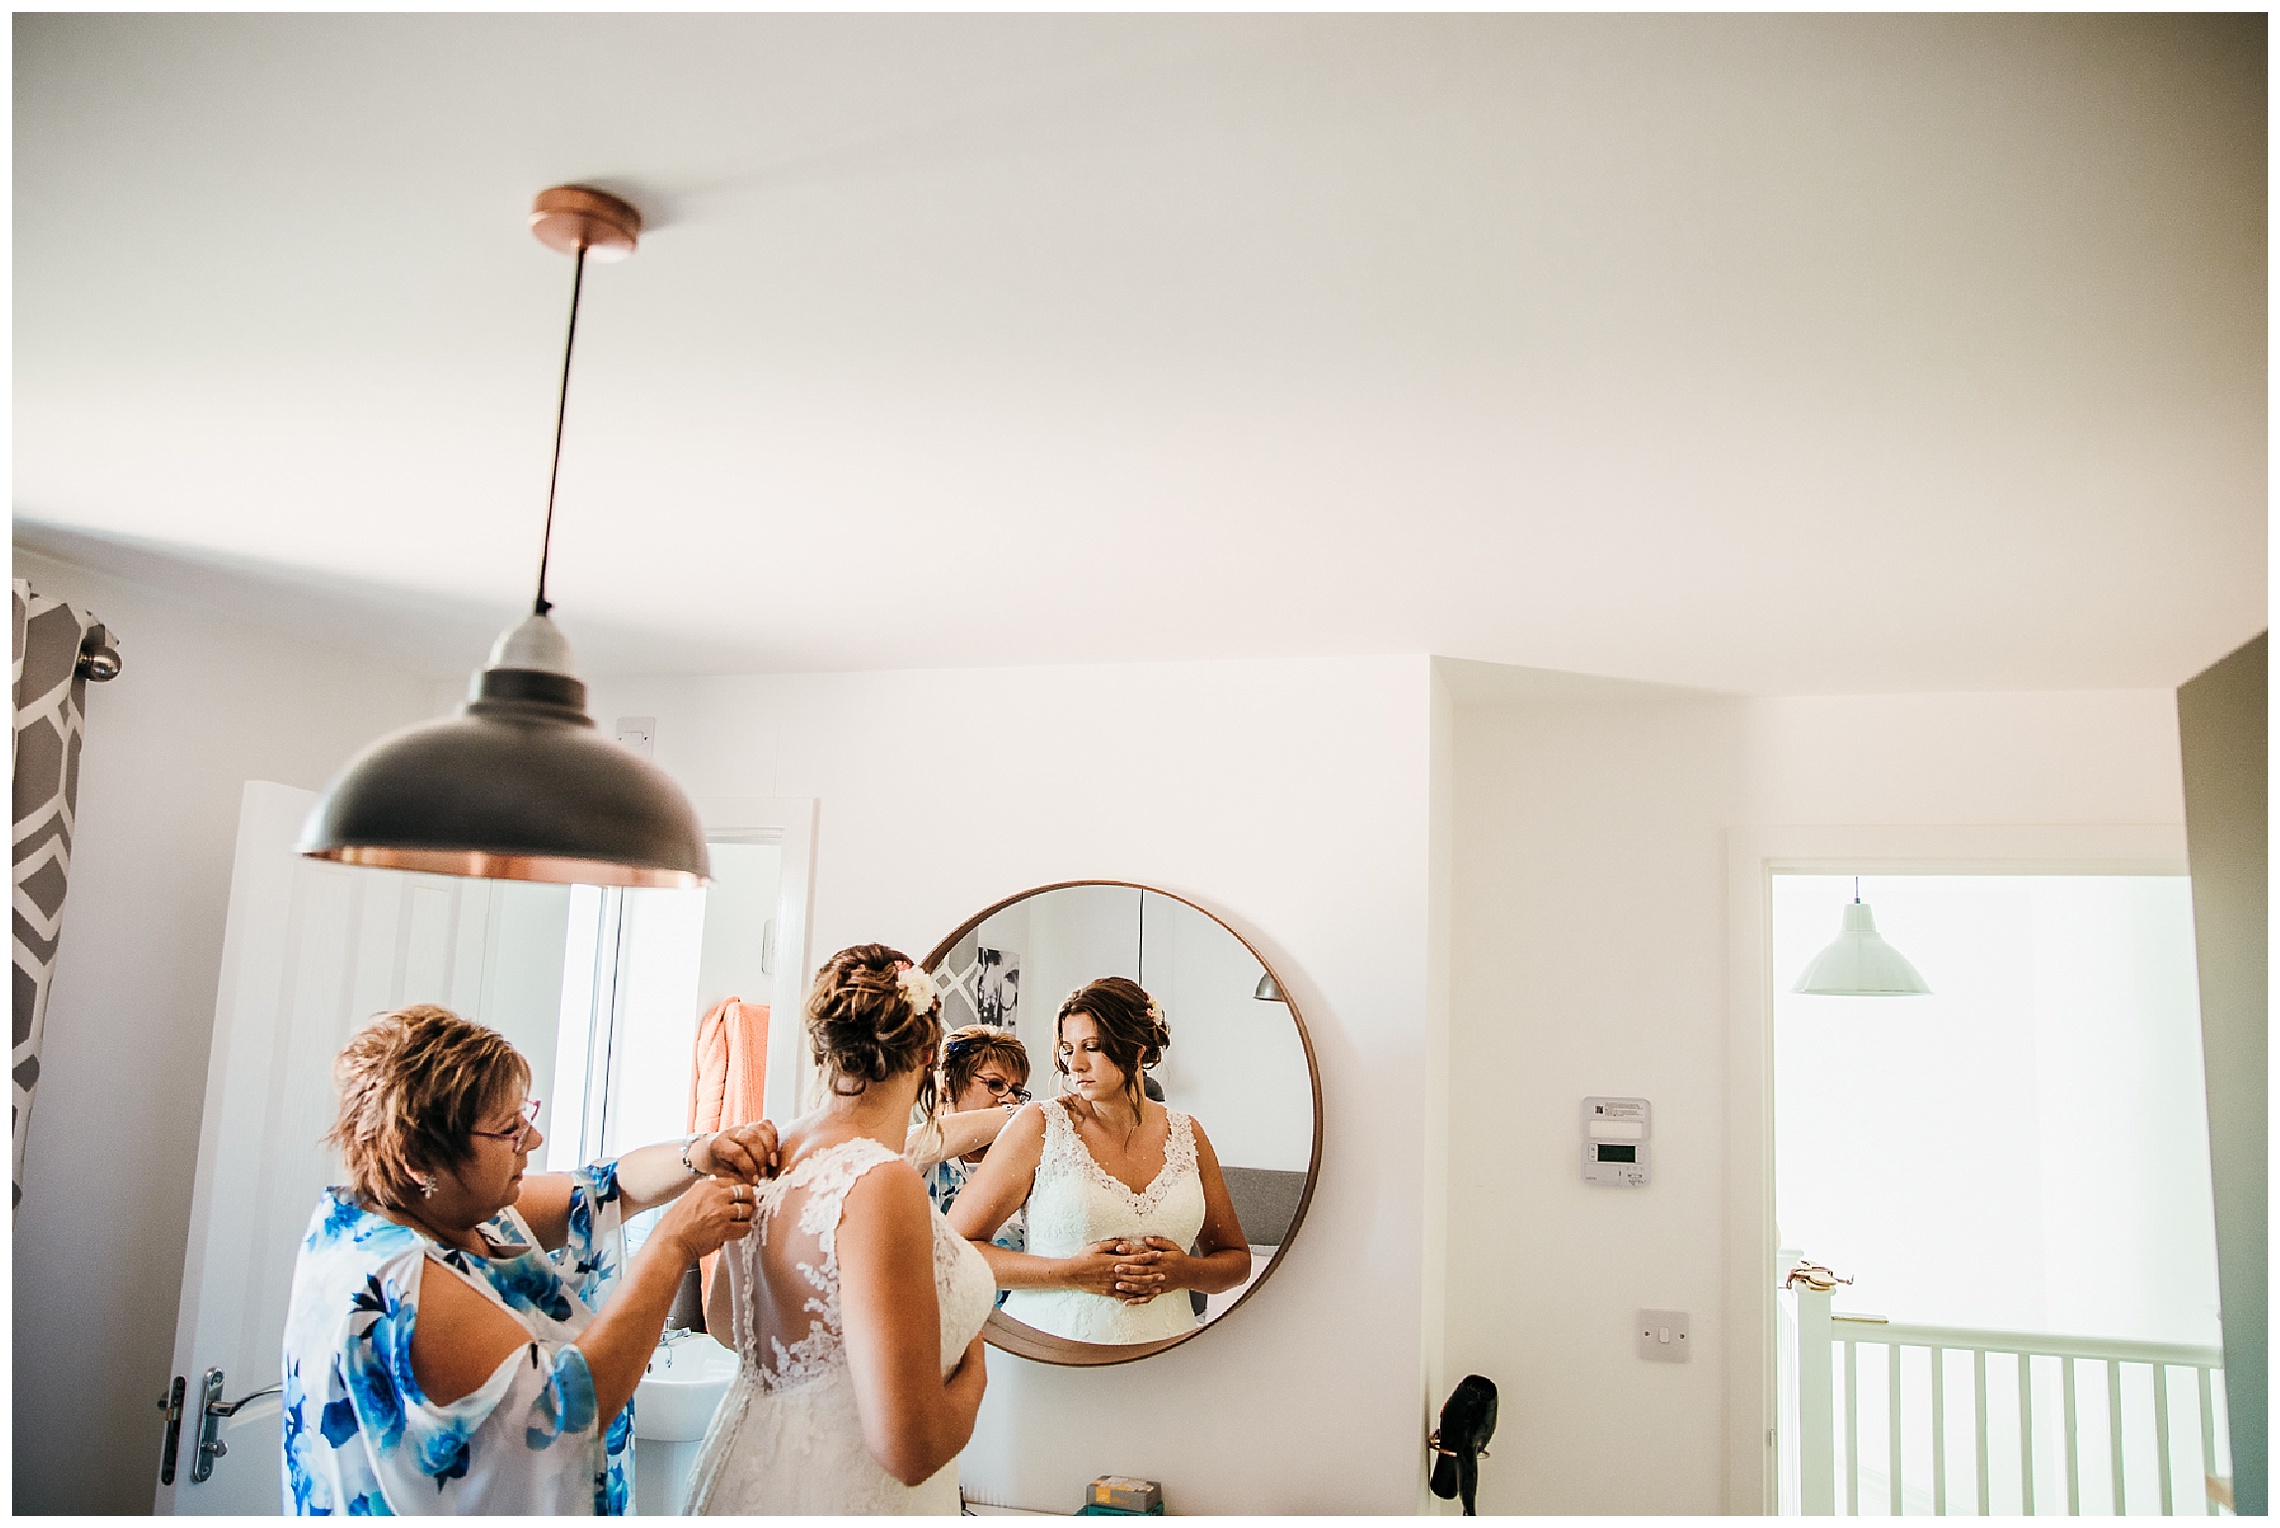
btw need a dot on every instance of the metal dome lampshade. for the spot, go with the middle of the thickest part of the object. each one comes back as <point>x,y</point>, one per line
<point>1858,963</point>
<point>520,786</point>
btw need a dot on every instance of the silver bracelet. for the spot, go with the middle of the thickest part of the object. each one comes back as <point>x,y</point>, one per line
<point>685,1146</point>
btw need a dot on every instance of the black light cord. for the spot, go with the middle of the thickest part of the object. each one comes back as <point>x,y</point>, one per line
<point>561,409</point>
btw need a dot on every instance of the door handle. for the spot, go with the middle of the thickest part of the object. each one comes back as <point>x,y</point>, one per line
<point>171,1404</point>
<point>211,1409</point>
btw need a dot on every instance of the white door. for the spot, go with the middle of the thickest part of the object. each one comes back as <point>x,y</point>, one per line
<point>311,951</point>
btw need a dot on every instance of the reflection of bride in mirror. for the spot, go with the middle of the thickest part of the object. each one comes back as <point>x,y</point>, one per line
<point>1127,1208</point>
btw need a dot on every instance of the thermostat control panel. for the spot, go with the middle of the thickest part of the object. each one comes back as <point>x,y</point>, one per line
<point>1616,1145</point>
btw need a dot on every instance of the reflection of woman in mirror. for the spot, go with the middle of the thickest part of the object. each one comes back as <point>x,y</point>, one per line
<point>984,1081</point>
<point>1127,1208</point>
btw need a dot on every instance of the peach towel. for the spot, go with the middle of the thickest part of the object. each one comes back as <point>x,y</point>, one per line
<point>730,1075</point>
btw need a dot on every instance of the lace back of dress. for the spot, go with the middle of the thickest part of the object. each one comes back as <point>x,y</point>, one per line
<point>784,1286</point>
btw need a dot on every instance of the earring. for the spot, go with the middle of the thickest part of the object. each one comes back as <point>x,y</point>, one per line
<point>427,1186</point>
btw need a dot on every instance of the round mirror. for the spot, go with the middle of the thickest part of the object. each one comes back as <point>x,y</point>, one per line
<point>1210,1143</point>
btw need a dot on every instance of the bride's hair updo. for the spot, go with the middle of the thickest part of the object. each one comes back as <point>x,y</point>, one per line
<point>1131,1027</point>
<point>864,1025</point>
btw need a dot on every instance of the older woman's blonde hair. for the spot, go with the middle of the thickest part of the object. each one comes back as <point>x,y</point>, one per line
<point>413,1085</point>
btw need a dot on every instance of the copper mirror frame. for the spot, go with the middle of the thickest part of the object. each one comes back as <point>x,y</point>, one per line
<point>1008,1335</point>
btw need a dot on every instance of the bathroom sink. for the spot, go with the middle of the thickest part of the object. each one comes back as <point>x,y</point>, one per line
<point>683,1385</point>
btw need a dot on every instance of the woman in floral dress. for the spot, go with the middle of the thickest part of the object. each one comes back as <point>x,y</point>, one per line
<point>447,1348</point>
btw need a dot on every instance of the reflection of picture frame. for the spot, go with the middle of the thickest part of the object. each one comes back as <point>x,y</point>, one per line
<point>997,987</point>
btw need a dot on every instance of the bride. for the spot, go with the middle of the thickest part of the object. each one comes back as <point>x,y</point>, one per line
<point>856,1312</point>
<point>1118,1188</point>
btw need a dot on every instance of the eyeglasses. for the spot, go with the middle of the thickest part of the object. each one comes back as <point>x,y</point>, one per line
<point>523,1127</point>
<point>1000,1088</point>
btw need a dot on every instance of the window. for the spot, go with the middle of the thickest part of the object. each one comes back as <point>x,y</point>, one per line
<point>2027,1147</point>
<point>2024,1151</point>
<point>640,969</point>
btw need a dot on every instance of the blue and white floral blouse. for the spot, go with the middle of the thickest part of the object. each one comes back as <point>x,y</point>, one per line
<point>360,1437</point>
<point>949,1179</point>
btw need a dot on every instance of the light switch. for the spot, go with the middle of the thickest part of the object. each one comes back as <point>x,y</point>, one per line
<point>638,733</point>
<point>1663,1336</point>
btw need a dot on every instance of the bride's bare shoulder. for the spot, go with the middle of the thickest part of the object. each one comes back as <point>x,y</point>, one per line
<point>803,1138</point>
<point>804,1141</point>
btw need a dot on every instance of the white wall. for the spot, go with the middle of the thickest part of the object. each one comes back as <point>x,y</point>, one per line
<point>1290,798</point>
<point>1235,1063</point>
<point>207,701</point>
<point>1589,956</point>
<point>739,905</point>
<point>1440,911</point>
<point>2073,756</point>
<point>1066,938</point>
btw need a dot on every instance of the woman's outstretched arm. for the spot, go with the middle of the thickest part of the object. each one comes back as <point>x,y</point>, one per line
<point>649,1176</point>
<point>969,1130</point>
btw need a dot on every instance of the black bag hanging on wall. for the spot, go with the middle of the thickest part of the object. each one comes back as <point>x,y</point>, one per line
<point>1468,1421</point>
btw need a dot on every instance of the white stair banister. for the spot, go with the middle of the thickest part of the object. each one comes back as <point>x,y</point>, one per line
<point>1821,1331</point>
<point>2026,1435</point>
<point>1812,1286</point>
<point>2073,1446</point>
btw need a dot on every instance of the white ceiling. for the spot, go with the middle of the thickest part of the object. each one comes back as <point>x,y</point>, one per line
<point>1768,354</point>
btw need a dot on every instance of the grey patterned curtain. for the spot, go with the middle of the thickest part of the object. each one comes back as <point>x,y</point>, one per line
<point>57,649</point>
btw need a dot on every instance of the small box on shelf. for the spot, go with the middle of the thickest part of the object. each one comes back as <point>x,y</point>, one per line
<point>1122,1496</point>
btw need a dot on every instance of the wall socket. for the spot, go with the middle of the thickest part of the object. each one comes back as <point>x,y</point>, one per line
<point>639,733</point>
<point>1662,1336</point>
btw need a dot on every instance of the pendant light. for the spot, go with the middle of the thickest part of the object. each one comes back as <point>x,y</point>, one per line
<point>1858,963</point>
<point>520,786</point>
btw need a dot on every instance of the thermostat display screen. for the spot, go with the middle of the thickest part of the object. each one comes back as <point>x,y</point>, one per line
<point>1618,1141</point>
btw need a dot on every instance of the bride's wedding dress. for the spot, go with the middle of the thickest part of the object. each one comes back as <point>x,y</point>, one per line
<point>787,1437</point>
<point>1074,1202</point>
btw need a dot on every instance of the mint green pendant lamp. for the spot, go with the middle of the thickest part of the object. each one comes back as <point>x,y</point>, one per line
<point>1858,963</point>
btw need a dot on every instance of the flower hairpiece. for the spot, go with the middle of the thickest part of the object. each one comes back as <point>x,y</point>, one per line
<point>1156,1013</point>
<point>918,988</point>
